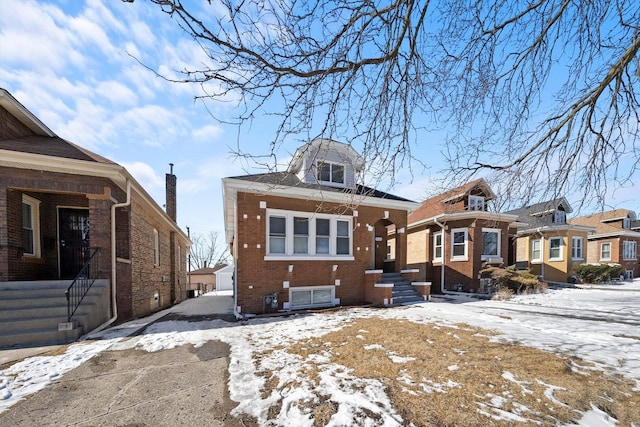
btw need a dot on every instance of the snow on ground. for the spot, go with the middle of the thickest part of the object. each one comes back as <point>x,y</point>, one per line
<point>597,325</point>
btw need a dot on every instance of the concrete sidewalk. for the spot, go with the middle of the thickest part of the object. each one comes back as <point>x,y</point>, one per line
<point>183,386</point>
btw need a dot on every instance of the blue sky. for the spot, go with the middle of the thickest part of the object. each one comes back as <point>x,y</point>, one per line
<point>72,64</point>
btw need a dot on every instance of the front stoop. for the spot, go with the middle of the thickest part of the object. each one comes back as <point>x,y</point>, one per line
<point>403,292</point>
<point>35,313</point>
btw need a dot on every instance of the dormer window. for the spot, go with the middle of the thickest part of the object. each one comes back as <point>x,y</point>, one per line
<point>559,217</point>
<point>330,172</point>
<point>626,223</point>
<point>476,203</point>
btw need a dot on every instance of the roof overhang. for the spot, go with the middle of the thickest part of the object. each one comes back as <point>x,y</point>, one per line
<point>26,117</point>
<point>621,233</point>
<point>489,216</point>
<point>112,171</point>
<point>556,228</point>
<point>231,187</point>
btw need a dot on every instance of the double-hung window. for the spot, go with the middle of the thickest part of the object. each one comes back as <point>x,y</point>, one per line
<point>437,247</point>
<point>629,250</point>
<point>476,203</point>
<point>323,236</point>
<point>555,249</point>
<point>30,226</point>
<point>330,172</point>
<point>536,250</point>
<point>277,234</point>
<point>490,242</point>
<point>576,248</point>
<point>296,234</point>
<point>605,251</point>
<point>559,217</point>
<point>459,243</point>
<point>300,235</point>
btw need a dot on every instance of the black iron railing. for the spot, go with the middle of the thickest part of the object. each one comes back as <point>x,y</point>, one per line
<point>80,286</point>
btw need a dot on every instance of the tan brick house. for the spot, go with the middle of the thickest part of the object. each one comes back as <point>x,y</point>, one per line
<point>61,206</point>
<point>614,240</point>
<point>453,235</point>
<point>310,236</point>
<point>548,245</point>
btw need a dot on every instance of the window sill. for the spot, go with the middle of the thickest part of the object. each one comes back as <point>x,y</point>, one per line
<point>33,259</point>
<point>459,259</point>
<point>309,258</point>
<point>556,259</point>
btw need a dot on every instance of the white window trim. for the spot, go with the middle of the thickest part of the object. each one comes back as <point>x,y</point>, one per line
<point>560,256</point>
<point>574,246</point>
<point>464,257</point>
<point>435,236</point>
<point>35,222</point>
<point>330,182</point>
<point>156,248</point>
<point>312,288</point>
<point>541,250</point>
<point>478,201</point>
<point>634,255</point>
<point>311,255</point>
<point>499,232</point>
<point>601,246</point>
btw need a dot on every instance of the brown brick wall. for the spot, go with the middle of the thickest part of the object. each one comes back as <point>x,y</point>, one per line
<point>147,278</point>
<point>265,277</point>
<point>10,127</point>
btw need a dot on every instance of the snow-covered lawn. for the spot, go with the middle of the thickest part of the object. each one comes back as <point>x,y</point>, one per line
<point>601,326</point>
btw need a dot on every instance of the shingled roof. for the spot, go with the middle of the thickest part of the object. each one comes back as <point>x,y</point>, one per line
<point>51,146</point>
<point>601,221</point>
<point>292,180</point>
<point>444,202</point>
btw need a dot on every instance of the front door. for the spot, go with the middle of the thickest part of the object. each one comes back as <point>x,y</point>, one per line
<point>73,240</point>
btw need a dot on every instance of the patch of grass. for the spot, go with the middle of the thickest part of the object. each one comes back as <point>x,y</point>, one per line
<point>455,375</point>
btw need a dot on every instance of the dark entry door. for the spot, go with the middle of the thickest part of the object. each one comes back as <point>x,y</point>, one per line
<point>73,240</point>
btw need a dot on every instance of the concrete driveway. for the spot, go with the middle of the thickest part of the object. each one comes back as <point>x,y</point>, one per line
<point>183,386</point>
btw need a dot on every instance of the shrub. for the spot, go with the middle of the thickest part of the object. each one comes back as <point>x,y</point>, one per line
<point>594,273</point>
<point>517,281</point>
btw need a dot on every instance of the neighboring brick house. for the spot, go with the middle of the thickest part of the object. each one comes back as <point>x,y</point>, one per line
<point>452,236</point>
<point>615,240</point>
<point>310,234</point>
<point>548,245</point>
<point>60,202</point>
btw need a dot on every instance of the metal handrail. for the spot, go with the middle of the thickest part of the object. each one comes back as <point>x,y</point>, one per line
<point>80,286</point>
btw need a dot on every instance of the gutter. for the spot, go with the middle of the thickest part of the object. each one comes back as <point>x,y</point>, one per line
<point>114,305</point>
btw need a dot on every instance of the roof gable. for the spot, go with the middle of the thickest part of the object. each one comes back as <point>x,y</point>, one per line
<point>446,202</point>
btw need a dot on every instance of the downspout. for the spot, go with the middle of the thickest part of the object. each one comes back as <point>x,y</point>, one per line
<point>113,258</point>
<point>539,230</point>
<point>443,255</point>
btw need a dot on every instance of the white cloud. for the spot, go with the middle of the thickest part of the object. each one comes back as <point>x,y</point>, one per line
<point>145,175</point>
<point>117,93</point>
<point>207,133</point>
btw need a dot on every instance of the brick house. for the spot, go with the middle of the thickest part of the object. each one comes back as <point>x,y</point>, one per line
<point>310,236</point>
<point>548,245</point>
<point>615,240</point>
<point>60,204</point>
<point>453,235</point>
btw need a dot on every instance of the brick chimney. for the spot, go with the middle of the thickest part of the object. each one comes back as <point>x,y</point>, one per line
<point>171,194</point>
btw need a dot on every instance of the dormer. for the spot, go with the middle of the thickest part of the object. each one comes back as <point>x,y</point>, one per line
<point>327,162</point>
<point>472,196</point>
<point>619,218</point>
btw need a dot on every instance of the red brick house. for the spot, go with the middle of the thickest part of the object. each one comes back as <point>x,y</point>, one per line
<point>71,216</point>
<point>310,236</point>
<point>615,240</point>
<point>453,235</point>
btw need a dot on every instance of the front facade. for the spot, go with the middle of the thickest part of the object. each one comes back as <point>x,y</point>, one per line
<point>60,204</point>
<point>452,236</point>
<point>306,237</point>
<point>548,245</point>
<point>615,239</point>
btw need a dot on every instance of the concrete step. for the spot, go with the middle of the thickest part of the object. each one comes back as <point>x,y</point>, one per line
<point>407,299</point>
<point>19,294</point>
<point>32,313</point>
<point>39,337</point>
